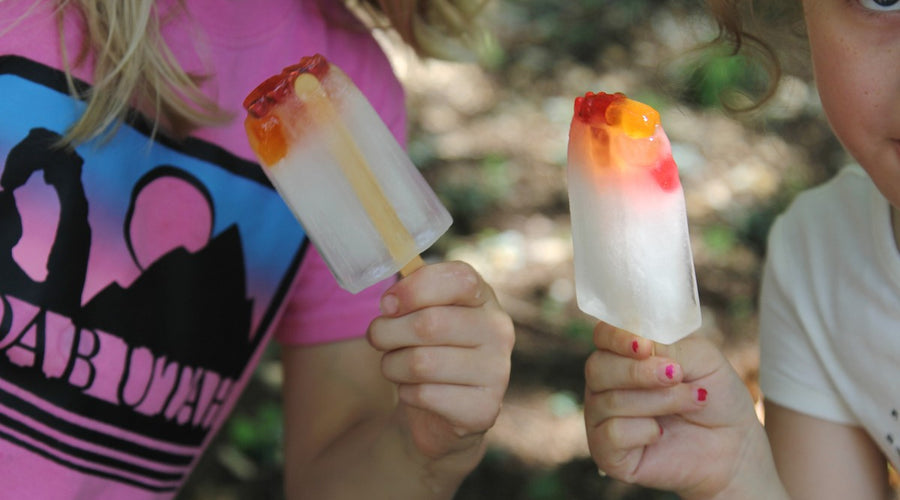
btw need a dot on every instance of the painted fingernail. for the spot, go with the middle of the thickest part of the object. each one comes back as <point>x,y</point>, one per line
<point>667,373</point>
<point>635,346</point>
<point>701,394</point>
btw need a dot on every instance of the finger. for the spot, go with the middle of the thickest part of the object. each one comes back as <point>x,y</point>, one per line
<point>604,371</point>
<point>697,356</point>
<point>443,325</point>
<point>622,342</point>
<point>445,365</point>
<point>468,409</point>
<point>446,283</point>
<point>679,399</point>
<point>617,445</point>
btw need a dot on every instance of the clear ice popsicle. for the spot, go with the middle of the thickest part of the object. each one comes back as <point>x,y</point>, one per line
<point>633,262</point>
<point>354,190</point>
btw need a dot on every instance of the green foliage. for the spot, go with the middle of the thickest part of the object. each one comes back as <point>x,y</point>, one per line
<point>754,230</point>
<point>579,329</point>
<point>719,239</point>
<point>464,200</point>
<point>471,195</point>
<point>258,435</point>
<point>547,486</point>
<point>421,151</point>
<point>582,29</point>
<point>741,308</point>
<point>719,77</point>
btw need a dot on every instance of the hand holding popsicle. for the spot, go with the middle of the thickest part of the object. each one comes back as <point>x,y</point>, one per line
<point>680,419</point>
<point>633,264</point>
<point>448,350</point>
<point>445,342</point>
<point>663,411</point>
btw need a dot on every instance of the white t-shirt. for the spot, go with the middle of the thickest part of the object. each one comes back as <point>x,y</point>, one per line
<point>830,309</point>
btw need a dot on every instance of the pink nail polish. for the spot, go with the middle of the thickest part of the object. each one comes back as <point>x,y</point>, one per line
<point>670,371</point>
<point>635,346</point>
<point>701,394</point>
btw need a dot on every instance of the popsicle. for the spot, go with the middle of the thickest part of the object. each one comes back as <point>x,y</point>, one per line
<point>354,190</point>
<point>633,263</point>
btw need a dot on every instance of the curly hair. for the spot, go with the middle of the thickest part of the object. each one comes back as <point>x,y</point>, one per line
<point>732,17</point>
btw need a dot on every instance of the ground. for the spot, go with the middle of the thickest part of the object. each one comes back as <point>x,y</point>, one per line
<point>491,139</point>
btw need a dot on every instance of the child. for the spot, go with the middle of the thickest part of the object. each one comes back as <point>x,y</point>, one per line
<point>145,263</point>
<point>682,420</point>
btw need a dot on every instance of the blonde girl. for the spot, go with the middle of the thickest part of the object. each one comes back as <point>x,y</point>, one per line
<point>145,262</point>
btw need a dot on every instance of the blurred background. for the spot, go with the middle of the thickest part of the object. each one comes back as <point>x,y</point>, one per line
<point>491,139</point>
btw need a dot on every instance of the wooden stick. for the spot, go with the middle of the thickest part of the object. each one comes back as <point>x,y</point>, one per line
<point>413,265</point>
<point>356,169</point>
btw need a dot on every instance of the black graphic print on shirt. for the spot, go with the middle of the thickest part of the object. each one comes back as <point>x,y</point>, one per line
<point>137,283</point>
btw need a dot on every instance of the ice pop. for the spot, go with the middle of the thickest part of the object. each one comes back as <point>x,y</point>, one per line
<point>337,166</point>
<point>633,263</point>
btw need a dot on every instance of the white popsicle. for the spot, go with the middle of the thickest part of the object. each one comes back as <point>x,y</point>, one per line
<point>350,184</point>
<point>633,262</point>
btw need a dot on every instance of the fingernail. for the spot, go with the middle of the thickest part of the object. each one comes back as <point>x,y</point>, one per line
<point>635,345</point>
<point>701,394</point>
<point>666,373</point>
<point>389,304</point>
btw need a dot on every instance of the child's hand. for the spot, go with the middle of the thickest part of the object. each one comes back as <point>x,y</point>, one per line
<point>447,346</point>
<point>678,420</point>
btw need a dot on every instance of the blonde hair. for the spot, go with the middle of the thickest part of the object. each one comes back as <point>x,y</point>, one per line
<point>133,66</point>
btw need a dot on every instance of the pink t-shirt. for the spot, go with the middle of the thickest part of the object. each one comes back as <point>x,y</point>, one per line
<point>139,281</point>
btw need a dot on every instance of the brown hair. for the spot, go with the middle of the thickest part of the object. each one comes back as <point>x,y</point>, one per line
<point>444,29</point>
<point>767,18</point>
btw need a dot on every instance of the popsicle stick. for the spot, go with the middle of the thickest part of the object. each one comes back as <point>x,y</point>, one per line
<point>356,169</point>
<point>413,265</point>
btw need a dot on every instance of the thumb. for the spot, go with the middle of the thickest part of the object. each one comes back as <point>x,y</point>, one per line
<point>697,356</point>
